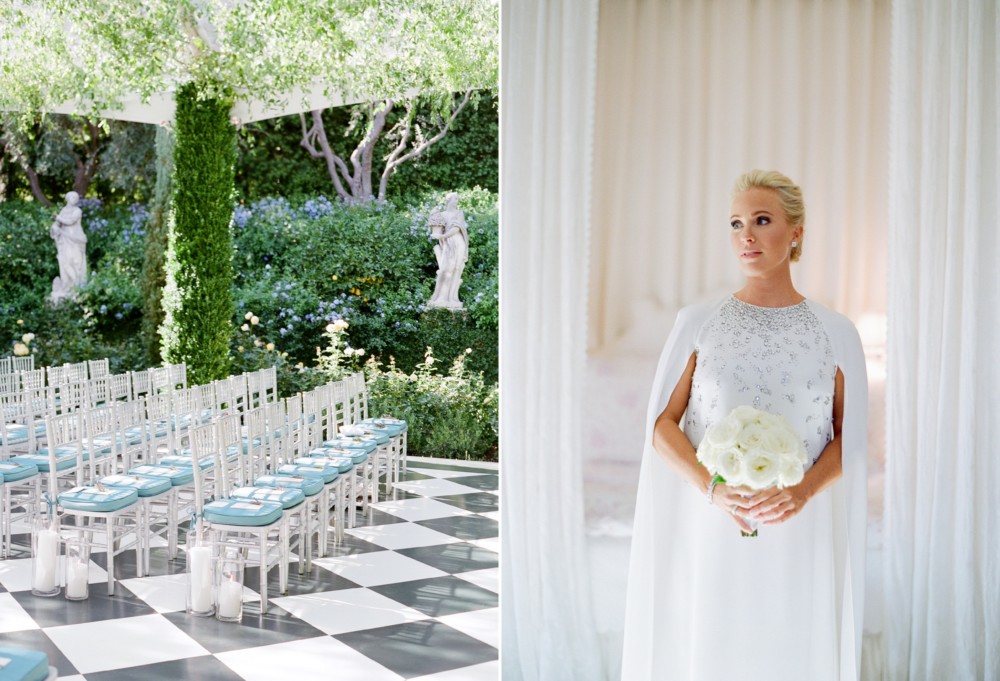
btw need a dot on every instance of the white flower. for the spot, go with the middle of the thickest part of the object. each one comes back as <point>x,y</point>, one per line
<point>723,433</point>
<point>750,437</point>
<point>28,337</point>
<point>761,469</point>
<point>269,347</point>
<point>348,351</point>
<point>248,316</point>
<point>790,471</point>
<point>254,321</point>
<point>359,352</point>
<point>239,348</point>
<point>430,361</point>
<point>745,413</point>
<point>20,349</point>
<point>340,324</point>
<point>731,467</point>
<point>244,328</point>
<point>468,351</point>
<point>330,328</point>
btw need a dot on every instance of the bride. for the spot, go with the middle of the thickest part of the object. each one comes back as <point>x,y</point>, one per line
<point>704,602</point>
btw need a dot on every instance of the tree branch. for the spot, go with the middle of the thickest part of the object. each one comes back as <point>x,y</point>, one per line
<point>318,133</point>
<point>394,160</point>
<point>22,161</point>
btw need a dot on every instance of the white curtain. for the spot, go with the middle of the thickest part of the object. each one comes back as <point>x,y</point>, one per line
<point>548,54</point>
<point>942,585</point>
<point>690,93</point>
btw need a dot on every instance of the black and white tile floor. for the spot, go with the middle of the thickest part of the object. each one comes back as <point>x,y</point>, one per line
<point>411,593</point>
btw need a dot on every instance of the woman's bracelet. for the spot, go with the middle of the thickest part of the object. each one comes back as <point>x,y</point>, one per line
<point>711,488</point>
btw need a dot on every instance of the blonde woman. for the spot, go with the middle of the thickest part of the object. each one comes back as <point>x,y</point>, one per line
<point>704,601</point>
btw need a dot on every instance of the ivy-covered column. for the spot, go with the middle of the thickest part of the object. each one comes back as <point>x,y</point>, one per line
<point>197,300</point>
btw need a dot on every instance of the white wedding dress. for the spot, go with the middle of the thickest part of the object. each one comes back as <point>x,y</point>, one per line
<point>705,603</point>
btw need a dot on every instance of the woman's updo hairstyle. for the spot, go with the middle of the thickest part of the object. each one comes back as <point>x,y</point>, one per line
<point>789,195</point>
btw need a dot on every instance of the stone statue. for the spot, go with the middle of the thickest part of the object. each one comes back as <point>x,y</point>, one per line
<point>452,250</point>
<point>71,250</point>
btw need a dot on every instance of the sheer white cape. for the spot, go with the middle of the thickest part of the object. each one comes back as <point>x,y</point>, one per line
<point>673,521</point>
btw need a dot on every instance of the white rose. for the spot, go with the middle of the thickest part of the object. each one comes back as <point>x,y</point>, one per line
<point>745,414</point>
<point>340,325</point>
<point>359,352</point>
<point>771,421</point>
<point>248,316</point>
<point>330,328</point>
<point>244,328</point>
<point>348,351</point>
<point>761,469</point>
<point>791,471</point>
<point>28,337</point>
<point>750,437</point>
<point>784,441</point>
<point>723,433</point>
<point>254,321</point>
<point>708,455</point>
<point>731,467</point>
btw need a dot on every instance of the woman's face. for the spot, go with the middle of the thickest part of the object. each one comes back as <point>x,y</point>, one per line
<point>759,232</point>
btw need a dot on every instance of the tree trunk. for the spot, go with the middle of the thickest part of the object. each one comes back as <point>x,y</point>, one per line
<point>354,183</point>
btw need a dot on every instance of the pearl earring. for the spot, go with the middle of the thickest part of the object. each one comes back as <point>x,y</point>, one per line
<point>794,244</point>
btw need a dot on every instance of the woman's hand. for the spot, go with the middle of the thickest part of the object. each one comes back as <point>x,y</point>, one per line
<point>735,501</point>
<point>773,506</point>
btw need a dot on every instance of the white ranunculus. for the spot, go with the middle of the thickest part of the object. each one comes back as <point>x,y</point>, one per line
<point>723,433</point>
<point>761,468</point>
<point>731,467</point>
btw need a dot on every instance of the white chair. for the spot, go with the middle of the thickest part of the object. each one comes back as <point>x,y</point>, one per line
<point>97,368</point>
<point>251,525</point>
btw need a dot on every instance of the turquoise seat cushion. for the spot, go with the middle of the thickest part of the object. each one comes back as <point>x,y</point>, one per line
<point>344,464</point>
<point>177,475</point>
<point>357,456</point>
<point>14,436</point>
<point>352,443</point>
<point>146,486</point>
<point>243,512</point>
<point>65,458</point>
<point>309,486</point>
<point>21,664</point>
<point>98,501</point>
<point>180,460</point>
<point>393,428</point>
<point>287,497</point>
<point>324,473</point>
<point>12,471</point>
<point>366,432</point>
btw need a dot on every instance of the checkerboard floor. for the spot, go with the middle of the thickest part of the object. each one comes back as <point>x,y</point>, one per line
<point>411,593</point>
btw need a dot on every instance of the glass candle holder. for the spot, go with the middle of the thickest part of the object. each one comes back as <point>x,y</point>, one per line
<point>77,568</point>
<point>45,577</point>
<point>229,586</point>
<point>200,596</point>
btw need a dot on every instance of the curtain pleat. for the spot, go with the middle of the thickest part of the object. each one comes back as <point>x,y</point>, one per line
<point>942,581</point>
<point>692,93</point>
<point>548,55</point>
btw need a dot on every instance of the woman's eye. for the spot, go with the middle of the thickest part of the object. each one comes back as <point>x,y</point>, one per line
<point>735,224</point>
<point>763,220</point>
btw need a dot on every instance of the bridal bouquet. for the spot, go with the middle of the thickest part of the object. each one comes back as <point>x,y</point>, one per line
<point>753,448</point>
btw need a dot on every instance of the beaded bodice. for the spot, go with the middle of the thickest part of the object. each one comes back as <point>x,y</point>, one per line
<point>776,359</point>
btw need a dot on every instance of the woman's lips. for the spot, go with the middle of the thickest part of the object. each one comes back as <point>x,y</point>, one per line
<point>750,254</point>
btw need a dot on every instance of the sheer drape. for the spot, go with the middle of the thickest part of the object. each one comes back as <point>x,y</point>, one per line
<point>942,585</point>
<point>690,93</point>
<point>548,52</point>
